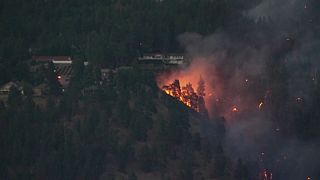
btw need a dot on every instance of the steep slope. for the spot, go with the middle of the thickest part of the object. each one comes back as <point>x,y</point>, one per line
<point>124,129</point>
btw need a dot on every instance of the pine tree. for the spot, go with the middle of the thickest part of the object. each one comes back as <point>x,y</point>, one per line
<point>201,88</point>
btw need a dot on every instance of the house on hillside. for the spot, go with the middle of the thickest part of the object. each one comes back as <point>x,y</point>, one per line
<point>162,59</point>
<point>62,64</point>
<point>53,59</point>
<point>63,72</point>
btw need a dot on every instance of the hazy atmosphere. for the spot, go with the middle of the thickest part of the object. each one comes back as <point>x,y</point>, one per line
<point>160,89</point>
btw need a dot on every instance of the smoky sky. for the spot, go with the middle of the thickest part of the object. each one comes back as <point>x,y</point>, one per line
<point>253,137</point>
<point>279,9</point>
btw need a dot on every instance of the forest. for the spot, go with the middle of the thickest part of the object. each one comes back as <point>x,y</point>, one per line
<point>127,127</point>
<point>108,33</point>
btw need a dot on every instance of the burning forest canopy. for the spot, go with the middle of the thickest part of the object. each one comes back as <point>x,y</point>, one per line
<point>268,96</point>
<point>187,95</point>
<point>188,86</point>
<point>203,87</point>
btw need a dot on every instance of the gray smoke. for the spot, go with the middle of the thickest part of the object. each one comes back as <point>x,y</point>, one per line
<point>239,64</point>
<point>279,9</point>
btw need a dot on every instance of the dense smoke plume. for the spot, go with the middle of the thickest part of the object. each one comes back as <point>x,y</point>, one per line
<point>263,74</point>
<point>229,68</point>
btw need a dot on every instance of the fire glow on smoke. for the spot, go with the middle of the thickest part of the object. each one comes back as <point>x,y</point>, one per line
<point>187,95</point>
<point>233,99</point>
<point>216,96</point>
<point>185,86</point>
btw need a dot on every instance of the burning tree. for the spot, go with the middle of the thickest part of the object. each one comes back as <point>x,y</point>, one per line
<point>201,88</point>
<point>173,89</point>
<point>201,93</point>
<point>187,95</point>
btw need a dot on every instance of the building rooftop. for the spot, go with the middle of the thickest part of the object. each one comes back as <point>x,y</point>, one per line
<point>64,70</point>
<point>167,59</point>
<point>51,58</point>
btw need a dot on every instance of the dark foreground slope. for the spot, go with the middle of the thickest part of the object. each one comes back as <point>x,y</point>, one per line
<point>124,129</point>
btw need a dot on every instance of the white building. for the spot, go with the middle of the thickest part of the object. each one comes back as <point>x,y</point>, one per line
<point>164,59</point>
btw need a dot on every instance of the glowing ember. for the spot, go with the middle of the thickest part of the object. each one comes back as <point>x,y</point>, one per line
<point>187,95</point>
<point>235,109</point>
<point>266,175</point>
<point>261,105</point>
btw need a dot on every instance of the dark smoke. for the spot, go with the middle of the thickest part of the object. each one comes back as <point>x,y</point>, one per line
<point>284,41</point>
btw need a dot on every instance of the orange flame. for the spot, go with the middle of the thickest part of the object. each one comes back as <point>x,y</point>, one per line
<point>221,95</point>
<point>235,109</point>
<point>261,105</point>
<point>191,75</point>
<point>185,94</point>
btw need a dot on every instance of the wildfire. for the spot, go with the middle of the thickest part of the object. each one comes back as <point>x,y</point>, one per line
<point>266,175</point>
<point>260,105</point>
<point>235,109</point>
<point>187,95</point>
<point>221,98</point>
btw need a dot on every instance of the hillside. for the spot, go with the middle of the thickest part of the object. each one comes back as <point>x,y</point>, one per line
<point>108,33</point>
<point>126,129</point>
<point>160,89</point>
